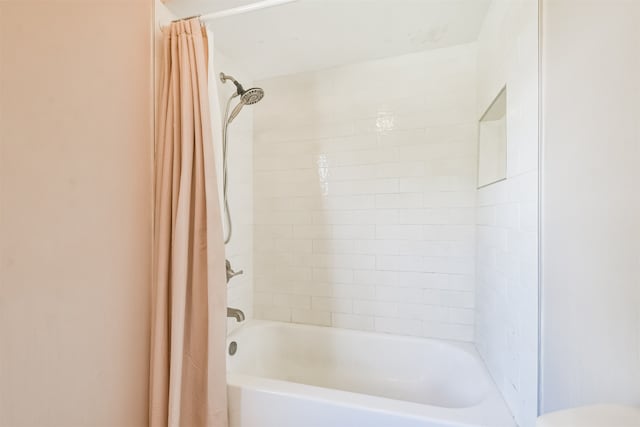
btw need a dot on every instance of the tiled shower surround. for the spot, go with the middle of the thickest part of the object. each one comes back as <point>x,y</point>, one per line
<point>365,195</point>
<point>507,234</point>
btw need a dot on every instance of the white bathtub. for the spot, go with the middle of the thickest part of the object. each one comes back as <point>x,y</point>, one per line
<point>288,375</point>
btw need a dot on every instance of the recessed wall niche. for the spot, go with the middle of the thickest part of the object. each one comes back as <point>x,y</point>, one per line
<point>492,142</point>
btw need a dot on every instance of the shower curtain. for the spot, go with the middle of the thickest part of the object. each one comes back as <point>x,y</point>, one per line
<point>187,384</point>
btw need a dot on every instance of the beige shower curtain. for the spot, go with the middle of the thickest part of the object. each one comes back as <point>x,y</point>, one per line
<point>187,380</point>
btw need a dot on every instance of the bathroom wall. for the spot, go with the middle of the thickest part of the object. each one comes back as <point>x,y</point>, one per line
<point>239,251</point>
<point>365,188</point>
<point>507,213</point>
<point>75,212</point>
<point>591,203</point>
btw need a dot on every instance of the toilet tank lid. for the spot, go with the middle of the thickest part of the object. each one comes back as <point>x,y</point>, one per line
<point>592,416</point>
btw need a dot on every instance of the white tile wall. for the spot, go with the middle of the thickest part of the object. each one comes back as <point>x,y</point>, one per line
<point>239,251</point>
<point>507,213</point>
<point>364,180</point>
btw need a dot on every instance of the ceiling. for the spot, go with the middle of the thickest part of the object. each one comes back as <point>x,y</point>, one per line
<point>317,34</point>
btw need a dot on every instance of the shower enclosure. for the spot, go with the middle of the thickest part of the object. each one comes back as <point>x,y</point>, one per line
<point>364,234</point>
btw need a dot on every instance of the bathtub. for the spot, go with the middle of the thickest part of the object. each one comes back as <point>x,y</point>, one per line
<point>289,375</point>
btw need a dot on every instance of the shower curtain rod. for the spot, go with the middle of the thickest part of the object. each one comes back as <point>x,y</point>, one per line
<point>240,10</point>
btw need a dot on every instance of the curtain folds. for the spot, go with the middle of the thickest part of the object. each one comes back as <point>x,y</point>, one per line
<point>187,385</point>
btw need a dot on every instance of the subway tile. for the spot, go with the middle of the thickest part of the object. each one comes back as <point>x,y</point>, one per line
<point>375,308</point>
<point>351,202</point>
<point>486,215</point>
<point>378,207</point>
<point>363,157</point>
<point>286,203</point>
<point>386,216</point>
<point>400,138</point>
<point>357,141</point>
<point>291,301</point>
<point>449,199</point>
<point>282,218</point>
<point>272,231</point>
<point>378,247</point>
<point>332,275</point>
<point>334,305</point>
<point>276,272</point>
<point>448,265</point>
<point>339,290</point>
<point>386,185</point>
<point>436,216</point>
<point>346,173</point>
<point>270,312</point>
<point>315,231</point>
<point>283,163</point>
<point>424,312</point>
<point>529,216</point>
<point>352,321</point>
<point>375,277</point>
<point>455,165</point>
<point>451,133</point>
<point>400,169</point>
<point>353,231</point>
<point>429,248</point>
<point>494,194</point>
<point>455,299</point>
<point>334,246</point>
<point>398,201</point>
<point>458,182</point>
<point>400,263</point>
<point>398,232</point>
<point>293,245</point>
<point>448,232</point>
<point>363,187</point>
<point>311,317</point>
<point>461,316</point>
<point>436,151</point>
<point>413,185</point>
<point>351,217</point>
<point>262,298</point>
<point>334,261</point>
<point>312,289</point>
<point>448,331</point>
<point>398,326</point>
<point>413,279</point>
<point>398,294</point>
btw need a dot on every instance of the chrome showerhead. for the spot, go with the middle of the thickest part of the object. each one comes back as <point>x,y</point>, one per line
<point>251,96</point>
<point>247,97</point>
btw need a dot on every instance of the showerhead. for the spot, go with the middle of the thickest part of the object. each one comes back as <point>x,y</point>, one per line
<point>247,97</point>
<point>251,96</point>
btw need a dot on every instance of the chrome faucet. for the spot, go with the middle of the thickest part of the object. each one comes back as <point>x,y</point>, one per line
<point>230,273</point>
<point>235,313</point>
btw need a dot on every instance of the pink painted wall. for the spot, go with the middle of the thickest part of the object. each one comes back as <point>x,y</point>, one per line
<point>76,147</point>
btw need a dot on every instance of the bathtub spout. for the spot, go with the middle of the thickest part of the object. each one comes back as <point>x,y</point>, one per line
<point>235,313</point>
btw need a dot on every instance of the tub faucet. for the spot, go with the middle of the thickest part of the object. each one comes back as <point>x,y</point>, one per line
<point>235,313</point>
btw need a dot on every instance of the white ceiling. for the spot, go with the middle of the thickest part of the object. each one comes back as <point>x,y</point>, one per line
<point>318,34</point>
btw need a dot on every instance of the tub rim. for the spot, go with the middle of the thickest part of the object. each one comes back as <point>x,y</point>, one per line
<point>490,411</point>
